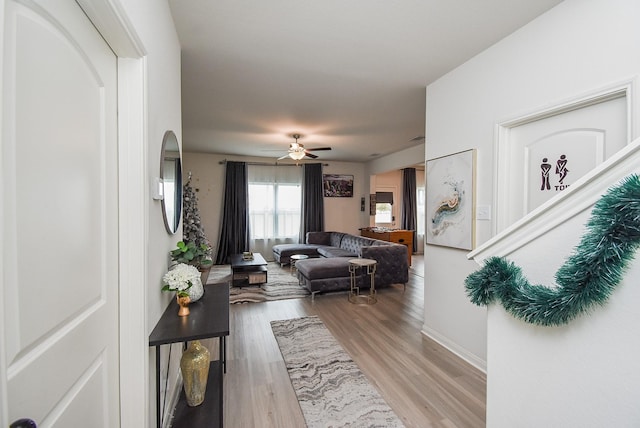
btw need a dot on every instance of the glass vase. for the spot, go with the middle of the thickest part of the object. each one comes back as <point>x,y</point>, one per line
<point>194,365</point>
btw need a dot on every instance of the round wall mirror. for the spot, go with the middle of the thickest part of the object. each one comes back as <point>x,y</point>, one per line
<point>171,175</point>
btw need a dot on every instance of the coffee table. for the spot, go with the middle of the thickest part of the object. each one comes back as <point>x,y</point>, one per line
<point>248,272</point>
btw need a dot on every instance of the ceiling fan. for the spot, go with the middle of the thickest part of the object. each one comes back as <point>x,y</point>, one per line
<point>297,150</point>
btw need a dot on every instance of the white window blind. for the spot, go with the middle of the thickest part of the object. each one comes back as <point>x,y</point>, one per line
<point>274,202</point>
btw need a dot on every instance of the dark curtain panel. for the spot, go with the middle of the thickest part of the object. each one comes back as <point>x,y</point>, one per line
<point>234,229</point>
<point>312,200</point>
<point>409,208</point>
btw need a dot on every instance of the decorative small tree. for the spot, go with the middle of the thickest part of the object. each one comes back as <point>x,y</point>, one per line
<point>192,230</point>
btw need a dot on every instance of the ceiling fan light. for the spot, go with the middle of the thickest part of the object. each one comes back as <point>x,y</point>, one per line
<point>297,155</point>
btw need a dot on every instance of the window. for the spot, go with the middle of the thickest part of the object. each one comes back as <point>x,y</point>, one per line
<point>274,202</point>
<point>384,207</point>
<point>384,212</point>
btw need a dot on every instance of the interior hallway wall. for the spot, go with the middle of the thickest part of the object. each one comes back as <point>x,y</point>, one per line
<point>153,25</point>
<point>576,48</point>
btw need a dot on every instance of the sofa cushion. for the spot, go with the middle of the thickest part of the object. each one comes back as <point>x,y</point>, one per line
<point>319,238</point>
<point>335,252</point>
<point>282,252</point>
<point>291,249</point>
<point>353,243</point>
<point>334,267</point>
<point>336,239</point>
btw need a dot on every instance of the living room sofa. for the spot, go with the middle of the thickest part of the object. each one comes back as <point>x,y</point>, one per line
<point>327,268</point>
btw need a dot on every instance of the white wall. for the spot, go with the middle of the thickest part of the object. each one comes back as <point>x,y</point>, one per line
<point>341,214</point>
<point>153,25</point>
<point>574,49</point>
<point>583,374</point>
<point>398,160</point>
<point>391,164</point>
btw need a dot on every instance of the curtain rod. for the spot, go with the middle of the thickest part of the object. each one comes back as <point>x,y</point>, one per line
<point>222,162</point>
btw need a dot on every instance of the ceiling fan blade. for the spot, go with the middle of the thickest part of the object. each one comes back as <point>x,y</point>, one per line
<point>310,155</point>
<point>319,148</point>
<point>283,157</point>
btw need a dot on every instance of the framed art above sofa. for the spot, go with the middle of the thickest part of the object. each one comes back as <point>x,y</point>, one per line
<point>337,185</point>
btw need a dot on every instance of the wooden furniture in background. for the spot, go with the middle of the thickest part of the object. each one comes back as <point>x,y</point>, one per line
<point>398,236</point>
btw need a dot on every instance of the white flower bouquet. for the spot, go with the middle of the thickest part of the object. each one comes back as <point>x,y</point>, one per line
<point>180,279</point>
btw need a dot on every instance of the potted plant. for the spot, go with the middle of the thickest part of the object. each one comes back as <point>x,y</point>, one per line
<point>194,255</point>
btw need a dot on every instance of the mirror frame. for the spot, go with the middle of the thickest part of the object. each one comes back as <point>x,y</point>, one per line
<point>171,189</point>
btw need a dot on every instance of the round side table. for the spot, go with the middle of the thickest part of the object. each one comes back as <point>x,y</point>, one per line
<point>294,258</point>
<point>354,292</point>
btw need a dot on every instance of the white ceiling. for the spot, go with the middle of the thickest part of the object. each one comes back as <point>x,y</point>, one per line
<point>350,74</point>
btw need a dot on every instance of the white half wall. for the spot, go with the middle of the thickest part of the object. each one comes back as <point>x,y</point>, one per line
<point>576,48</point>
<point>581,374</point>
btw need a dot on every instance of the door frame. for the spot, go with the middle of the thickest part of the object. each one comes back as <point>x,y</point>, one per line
<point>502,143</point>
<point>113,24</point>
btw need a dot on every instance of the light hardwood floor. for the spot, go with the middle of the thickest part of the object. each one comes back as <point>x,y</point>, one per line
<point>426,385</point>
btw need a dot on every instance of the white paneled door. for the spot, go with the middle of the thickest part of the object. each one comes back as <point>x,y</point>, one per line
<point>59,216</point>
<point>546,156</point>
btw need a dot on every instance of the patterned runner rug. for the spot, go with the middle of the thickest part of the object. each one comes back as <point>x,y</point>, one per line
<point>331,389</point>
<point>280,285</point>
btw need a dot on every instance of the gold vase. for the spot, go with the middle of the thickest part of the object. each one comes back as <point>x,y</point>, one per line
<point>183,303</point>
<point>194,365</point>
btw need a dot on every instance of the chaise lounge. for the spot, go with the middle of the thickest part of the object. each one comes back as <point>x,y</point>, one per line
<point>327,268</point>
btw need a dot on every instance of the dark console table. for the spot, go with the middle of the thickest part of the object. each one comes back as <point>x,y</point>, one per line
<point>209,318</point>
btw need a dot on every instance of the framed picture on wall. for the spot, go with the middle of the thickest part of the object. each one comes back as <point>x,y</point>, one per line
<point>337,185</point>
<point>450,200</point>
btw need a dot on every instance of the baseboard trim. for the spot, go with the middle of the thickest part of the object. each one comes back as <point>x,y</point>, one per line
<point>472,359</point>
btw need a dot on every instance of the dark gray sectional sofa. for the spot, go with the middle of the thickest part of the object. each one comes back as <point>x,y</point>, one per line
<point>327,268</point>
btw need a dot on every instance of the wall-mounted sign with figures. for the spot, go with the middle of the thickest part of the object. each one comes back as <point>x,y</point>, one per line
<point>553,163</point>
<point>561,173</point>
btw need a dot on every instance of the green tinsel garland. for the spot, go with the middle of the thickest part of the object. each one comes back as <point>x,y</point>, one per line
<point>586,279</point>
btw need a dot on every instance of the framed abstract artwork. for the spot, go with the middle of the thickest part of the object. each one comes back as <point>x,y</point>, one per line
<point>450,200</point>
<point>337,185</point>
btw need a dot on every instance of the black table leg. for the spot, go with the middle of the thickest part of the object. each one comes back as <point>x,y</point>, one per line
<point>224,354</point>
<point>221,376</point>
<point>158,420</point>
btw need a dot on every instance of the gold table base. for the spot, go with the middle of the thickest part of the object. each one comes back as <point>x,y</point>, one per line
<point>354,292</point>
